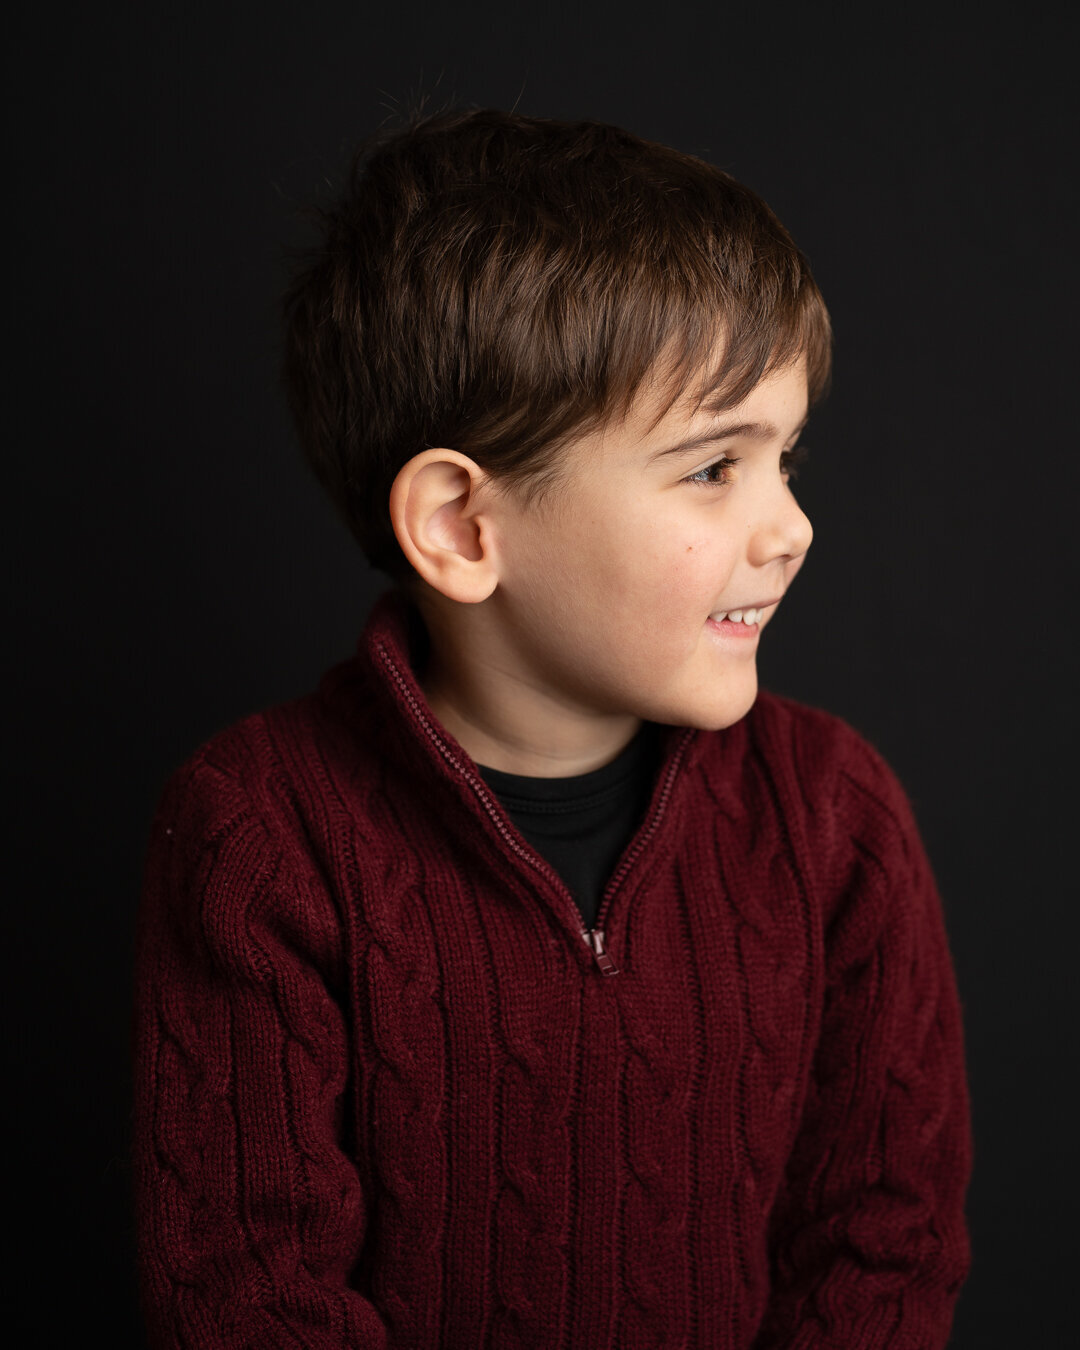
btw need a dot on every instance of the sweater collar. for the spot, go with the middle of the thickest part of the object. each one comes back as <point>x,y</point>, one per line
<point>391,646</point>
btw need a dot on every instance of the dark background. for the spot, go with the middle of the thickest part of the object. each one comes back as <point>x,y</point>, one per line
<point>174,567</point>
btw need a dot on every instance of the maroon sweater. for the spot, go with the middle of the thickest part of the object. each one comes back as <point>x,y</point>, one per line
<point>390,1094</point>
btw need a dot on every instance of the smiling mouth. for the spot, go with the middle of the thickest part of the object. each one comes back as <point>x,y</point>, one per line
<point>749,615</point>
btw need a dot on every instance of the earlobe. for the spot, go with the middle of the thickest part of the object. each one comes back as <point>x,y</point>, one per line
<point>435,509</point>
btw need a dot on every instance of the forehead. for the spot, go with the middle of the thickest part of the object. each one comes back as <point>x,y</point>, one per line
<point>775,407</point>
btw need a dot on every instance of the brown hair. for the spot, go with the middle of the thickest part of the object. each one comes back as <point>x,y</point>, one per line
<point>499,284</point>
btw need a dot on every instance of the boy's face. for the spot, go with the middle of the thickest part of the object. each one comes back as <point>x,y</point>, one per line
<point>608,593</point>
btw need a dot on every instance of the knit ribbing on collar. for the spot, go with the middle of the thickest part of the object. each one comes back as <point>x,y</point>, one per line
<point>387,650</point>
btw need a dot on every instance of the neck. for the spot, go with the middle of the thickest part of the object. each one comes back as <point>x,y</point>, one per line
<point>506,717</point>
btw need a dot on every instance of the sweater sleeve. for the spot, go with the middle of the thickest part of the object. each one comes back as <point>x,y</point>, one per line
<point>868,1241</point>
<point>249,1215</point>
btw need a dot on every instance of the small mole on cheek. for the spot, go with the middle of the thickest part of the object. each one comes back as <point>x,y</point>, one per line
<point>689,548</point>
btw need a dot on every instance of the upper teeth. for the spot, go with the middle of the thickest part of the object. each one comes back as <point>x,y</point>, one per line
<point>738,615</point>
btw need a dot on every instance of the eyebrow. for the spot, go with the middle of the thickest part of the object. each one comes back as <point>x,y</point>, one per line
<point>755,431</point>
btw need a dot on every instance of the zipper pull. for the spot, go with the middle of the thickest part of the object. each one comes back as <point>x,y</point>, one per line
<point>595,939</point>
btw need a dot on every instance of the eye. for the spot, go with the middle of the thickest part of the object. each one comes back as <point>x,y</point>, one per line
<point>790,461</point>
<point>714,474</point>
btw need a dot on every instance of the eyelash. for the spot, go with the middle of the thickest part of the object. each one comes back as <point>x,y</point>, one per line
<point>790,461</point>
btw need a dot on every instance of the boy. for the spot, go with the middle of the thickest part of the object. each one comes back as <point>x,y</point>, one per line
<point>537,981</point>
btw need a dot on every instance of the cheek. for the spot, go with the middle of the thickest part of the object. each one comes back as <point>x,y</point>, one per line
<point>701,569</point>
<point>647,569</point>
<point>671,581</point>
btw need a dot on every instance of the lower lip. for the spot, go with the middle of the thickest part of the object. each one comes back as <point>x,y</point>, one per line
<point>729,629</point>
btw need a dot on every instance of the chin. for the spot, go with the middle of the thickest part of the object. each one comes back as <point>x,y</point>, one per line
<point>715,714</point>
<point>727,718</point>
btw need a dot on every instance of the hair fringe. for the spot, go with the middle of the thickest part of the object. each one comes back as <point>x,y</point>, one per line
<point>505,284</point>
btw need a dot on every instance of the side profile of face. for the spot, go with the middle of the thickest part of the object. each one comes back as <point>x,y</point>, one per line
<point>637,590</point>
<point>612,595</point>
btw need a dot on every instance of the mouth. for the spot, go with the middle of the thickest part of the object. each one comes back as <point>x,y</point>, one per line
<point>747,615</point>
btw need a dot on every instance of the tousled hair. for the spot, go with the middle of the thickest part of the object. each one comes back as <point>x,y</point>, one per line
<point>502,284</point>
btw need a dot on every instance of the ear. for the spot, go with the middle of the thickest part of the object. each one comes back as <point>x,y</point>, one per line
<point>437,509</point>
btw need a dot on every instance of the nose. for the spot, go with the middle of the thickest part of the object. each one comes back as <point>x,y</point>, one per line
<point>780,530</point>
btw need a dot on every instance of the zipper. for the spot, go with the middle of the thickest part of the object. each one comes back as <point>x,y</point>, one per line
<point>593,938</point>
<point>642,841</point>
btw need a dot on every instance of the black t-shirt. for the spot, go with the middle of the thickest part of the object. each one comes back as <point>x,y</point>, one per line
<point>581,825</point>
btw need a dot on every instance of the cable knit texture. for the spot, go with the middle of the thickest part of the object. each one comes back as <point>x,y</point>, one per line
<point>387,1095</point>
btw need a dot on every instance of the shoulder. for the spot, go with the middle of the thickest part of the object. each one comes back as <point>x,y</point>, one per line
<point>278,774</point>
<point>806,748</point>
<point>239,769</point>
<point>819,745</point>
<point>842,804</point>
<point>242,843</point>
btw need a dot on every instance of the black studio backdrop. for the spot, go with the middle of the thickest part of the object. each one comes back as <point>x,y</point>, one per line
<point>173,567</point>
